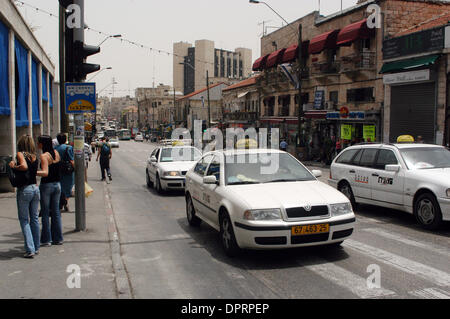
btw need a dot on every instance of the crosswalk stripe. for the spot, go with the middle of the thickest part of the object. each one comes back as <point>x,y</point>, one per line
<point>430,247</point>
<point>346,279</point>
<point>431,293</point>
<point>431,274</point>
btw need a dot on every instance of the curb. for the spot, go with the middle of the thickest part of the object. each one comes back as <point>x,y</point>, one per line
<point>122,281</point>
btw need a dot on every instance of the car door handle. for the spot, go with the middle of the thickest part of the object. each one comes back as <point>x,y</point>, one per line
<point>375,175</point>
<point>352,171</point>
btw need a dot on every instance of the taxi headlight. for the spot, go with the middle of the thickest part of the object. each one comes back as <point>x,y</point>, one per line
<point>448,192</point>
<point>262,214</point>
<point>341,209</point>
<point>171,173</point>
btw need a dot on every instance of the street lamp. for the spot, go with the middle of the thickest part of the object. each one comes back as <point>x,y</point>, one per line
<point>258,2</point>
<point>98,72</point>
<point>109,37</point>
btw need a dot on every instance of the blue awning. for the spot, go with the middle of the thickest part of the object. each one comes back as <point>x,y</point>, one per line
<point>44,86</point>
<point>5,108</point>
<point>22,87</point>
<point>35,92</point>
<point>50,84</point>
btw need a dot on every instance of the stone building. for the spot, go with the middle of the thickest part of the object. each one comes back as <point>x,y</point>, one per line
<point>191,65</point>
<point>29,98</point>
<point>342,91</point>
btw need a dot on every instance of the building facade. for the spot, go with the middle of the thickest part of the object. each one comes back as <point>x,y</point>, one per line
<point>29,97</point>
<point>192,64</point>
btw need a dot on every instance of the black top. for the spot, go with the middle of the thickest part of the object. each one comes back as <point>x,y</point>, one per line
<point>32,169</point>
<point>54,173</point>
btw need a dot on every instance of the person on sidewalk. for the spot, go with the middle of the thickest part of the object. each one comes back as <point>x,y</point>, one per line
<point>50,193</point>
<point>87,159</point>
<point>67,180</point>
<point>28,195</point>
<point>283,145</point>
<point>105,154</point>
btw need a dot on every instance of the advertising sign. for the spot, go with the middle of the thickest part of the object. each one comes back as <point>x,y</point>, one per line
<point>80,98</point>
<point>369,133</point>
<point>346,132</point>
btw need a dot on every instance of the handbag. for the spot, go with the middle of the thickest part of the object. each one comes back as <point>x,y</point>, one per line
<point>18,178</point>
<point>66,166</point>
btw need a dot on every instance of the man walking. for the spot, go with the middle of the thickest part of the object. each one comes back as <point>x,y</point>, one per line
<point>105,154</point>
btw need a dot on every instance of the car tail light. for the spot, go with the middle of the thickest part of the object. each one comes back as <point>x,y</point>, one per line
<point>331,177</point>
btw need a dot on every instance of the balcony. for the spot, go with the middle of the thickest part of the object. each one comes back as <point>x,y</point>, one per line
<point>325,68</point>
<point>241,116</point>
<point>357,62</point>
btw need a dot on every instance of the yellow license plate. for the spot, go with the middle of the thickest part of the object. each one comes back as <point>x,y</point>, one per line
<point>310,229</point>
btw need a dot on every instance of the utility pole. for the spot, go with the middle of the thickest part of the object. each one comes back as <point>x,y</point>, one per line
<point>62,70</point>
<point>300,102</point>
<point>209,104</point>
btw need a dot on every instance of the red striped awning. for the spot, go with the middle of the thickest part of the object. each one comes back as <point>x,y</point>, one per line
<point>355,31</point>
<point>291,53</point>
<point>260,63</point>
<point>275,58</point>
<point>324,41</point>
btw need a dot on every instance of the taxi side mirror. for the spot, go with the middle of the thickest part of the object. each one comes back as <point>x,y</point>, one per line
<point>317,173</point>
<point>392,168</point>
<point>153,159</point>
<point>210,180</point>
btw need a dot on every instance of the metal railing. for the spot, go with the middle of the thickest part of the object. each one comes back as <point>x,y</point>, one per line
<point>358,62</point>
<point>323,68</point>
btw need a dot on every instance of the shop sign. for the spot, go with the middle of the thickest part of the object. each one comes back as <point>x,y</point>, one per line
<point>405,77</point>
<point>369,132</point>
<point>346,132</point>
<point>318,100</point>
<point>356,115</point>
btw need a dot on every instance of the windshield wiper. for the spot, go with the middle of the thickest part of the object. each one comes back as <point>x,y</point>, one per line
<point>244,183</point>
<point>284,180</point>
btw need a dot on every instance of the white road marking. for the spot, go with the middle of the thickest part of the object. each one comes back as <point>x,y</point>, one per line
<point>430,247</point>
<point>346,279</point>
<point>431,293</point>
<point>431,274</point>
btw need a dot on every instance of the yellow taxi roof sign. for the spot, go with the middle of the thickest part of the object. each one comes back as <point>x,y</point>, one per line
<point>405,139</point>
<point>247,143</point>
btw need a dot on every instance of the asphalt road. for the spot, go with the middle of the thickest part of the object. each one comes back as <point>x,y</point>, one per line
<point>165,258</point>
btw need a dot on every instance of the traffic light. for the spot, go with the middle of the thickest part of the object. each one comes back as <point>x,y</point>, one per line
<point>76,51</point>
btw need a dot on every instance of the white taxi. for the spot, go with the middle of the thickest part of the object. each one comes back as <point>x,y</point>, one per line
<point>167,167</point>
<point>414,178</point>
<point>265,199</point>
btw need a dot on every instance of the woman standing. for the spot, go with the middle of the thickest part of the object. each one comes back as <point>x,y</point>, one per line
<point>67,180</point>
<point>28,195</point>
<point>50,192</point>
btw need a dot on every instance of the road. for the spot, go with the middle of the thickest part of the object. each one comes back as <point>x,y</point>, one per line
<point>165,258</point>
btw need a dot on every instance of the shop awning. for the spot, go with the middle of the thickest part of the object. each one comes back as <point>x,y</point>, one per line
<point>260,63</point>
<point>274,58</point>
<point>291,53</point>
<point>324,41</point>
<point>242,94</point>
<point>409,64</point>
<point>353,32</point>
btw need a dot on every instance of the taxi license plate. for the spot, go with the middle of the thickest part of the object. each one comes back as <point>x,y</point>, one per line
<point>310,229</point>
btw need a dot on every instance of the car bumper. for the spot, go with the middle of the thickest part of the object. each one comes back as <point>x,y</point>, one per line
<point>173,183</point>
<point>444,203</point>
<point>276,236</point>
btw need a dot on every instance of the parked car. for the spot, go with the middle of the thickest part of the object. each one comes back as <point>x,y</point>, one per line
<point>167,167</point>
<point>414,178</point>
<point>139,137</point>
<point>265,199</point>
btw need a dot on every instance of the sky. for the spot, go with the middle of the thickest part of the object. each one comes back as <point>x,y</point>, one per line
<point>158,24</point>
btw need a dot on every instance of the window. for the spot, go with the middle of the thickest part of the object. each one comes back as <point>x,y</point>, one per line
<point>357,158</point>
<point>346,156</point>
<point>214,168</point>
<point>334,96</point>
<point>385,157</point>
<point>202,165</point>
<point>360,95</point>
<point>368,157</point>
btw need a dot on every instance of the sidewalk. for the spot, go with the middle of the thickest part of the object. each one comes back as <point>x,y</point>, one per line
<point>46,275</point>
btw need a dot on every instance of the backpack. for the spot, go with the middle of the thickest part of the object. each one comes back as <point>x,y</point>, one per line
<point>105,150</point>
<point>18,178</point>
<point>66,166</point>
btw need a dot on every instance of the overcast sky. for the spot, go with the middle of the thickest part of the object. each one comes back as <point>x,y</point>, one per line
<point>158,24</point>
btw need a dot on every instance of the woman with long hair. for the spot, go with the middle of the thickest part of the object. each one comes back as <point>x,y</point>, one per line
<point>28,195</point>
<point>50,192</point>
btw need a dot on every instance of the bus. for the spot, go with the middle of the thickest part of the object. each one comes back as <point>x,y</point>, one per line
<point>124,135</point>
<point>109,132</point>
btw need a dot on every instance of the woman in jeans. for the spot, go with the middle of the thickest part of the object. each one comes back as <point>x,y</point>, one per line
<point>50,193</point>
<point>28,195</point>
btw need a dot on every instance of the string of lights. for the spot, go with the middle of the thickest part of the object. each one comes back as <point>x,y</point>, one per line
<point>122,39</point>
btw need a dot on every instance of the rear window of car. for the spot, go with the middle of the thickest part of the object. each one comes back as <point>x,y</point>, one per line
<point>368,157</point>
<point>347,156</point>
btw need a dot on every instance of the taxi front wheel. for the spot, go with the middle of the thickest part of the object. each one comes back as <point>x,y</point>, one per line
<point>190,213</point>
<point>427,211</point>
<point>227,236</point>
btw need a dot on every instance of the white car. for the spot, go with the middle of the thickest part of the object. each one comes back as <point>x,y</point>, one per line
<point>114,142</point>
<point>167,167</point>
<point>265,199</point>
<point>414,178</point>
<point>139,137</point>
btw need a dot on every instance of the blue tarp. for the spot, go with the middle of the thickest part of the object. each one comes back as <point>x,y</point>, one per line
<point>22,87</point>
<point>35,92</point>
<point>44,86</point>
<point>5,108</point>
<point>51,95</point>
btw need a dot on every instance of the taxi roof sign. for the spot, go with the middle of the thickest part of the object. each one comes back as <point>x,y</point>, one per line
<point>405,139</point>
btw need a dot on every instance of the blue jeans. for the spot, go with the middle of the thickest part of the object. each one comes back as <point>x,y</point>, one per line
<point>27,206</point>
<point>50,195</point>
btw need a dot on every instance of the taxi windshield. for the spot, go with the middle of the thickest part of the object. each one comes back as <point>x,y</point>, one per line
<point>180,154</point>
<point>264,168</point>
<point>426,157</point>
